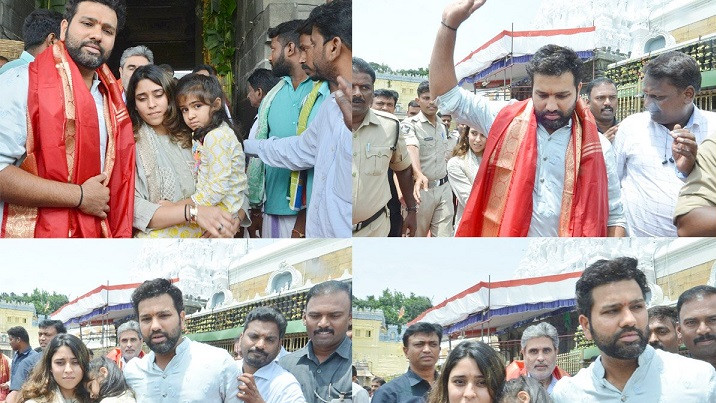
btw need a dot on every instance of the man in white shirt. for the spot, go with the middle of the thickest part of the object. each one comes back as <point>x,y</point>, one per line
<point>656,149</point>
<point>611,300</point>
<point>177,369</point>
<point>262,379</point>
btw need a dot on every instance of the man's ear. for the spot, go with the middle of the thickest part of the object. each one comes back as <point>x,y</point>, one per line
<point>584,322</point>
<point>63,29</point>
<point>291,49</point>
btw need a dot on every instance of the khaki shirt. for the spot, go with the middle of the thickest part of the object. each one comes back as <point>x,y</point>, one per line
<point>372,155</point>
<point>700,187</point>
<point>431,141</point>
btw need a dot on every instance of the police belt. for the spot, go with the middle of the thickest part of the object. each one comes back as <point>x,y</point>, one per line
<point>437,182</point>
<point>365,223</point>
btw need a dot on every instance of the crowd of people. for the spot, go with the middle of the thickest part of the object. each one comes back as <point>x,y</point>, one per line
<point>177,369</point>
<point>83,154</point>
<point>640,360</point>
<point>555,164</point>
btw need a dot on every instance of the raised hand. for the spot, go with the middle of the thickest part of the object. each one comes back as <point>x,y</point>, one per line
<point>456,13</point>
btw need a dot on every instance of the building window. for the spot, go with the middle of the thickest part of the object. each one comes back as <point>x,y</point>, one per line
<point>368,333</point>
<point>357,333</point>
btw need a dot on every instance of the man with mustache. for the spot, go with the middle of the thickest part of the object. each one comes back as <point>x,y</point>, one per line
<point>421,345</point>
<point>377,145</point>
<point>656,149</point>
<point>602,101</point>
<point>294,98</point>
<point>540,346</point>
<point>662,329</point>
<point>697,322</point>
<point>66,166</point>
<point>263,379</point>
<point>162,374</point>
<point>129,338</point>
<point>546,171</point>
<point>611,297</point>
<point>323,366</point>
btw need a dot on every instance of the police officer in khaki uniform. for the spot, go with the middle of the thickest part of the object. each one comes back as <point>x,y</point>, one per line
<point>427,144</point>
<point>377,145</point>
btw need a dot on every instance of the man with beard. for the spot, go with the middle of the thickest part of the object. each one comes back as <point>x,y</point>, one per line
<point>656,149</point>
<point>611,298</point>
<point>662,329</point>
<point>66,166</point>
<point>163,373</point>
<point>540,346</point>
<point>286,111</point>
<point>602,101</point>
<point>377,145</point>
<point>697,322</point>
<point>326,144</point>
<point>263,380</point>
<point>421,345</point>
<point>546,170</point>
<point>129,338</point>
<point>323,366</point>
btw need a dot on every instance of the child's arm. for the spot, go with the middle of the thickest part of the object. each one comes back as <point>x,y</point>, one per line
<point>213,181</point>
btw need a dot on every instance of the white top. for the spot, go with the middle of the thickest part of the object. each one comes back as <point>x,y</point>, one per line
<point>660,377</point>
<point>461,172</point>
<point>326,146</point>
<point>13,118</point>
<point>197,373</point>
<point>477,111</point>
<point>650,187</point>
<point>360,395</point>
<point>276,385</point>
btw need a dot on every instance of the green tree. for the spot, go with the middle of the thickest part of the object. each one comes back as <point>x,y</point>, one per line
<point>381,68</point>
<point>45,303</point>
<point>398,308</point>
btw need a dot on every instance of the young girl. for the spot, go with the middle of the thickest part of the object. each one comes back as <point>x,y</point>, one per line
<point>60,375</point>
<point>218,154</point>
<point>106,382</point>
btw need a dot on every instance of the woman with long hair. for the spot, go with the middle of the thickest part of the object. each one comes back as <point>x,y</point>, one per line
<point>165,179</point>
<point>462,167</point>
<point>474,372</point>
<point>106,382</point>
<point>60,375</point>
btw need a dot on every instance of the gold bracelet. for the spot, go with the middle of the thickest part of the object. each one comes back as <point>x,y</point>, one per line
<point>193,212</point>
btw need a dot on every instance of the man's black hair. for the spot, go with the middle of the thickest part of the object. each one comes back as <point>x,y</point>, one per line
<point>553,60</point>
<point>328,287</point>
<point>596,82</point>
<point>119,7</point>
<point>663,313</point>
<point>38,25</point>
<point>423,87</point>
<point>413,104</point>
<point>361,66</point>
<point>57,324</point>
<point>267,314</point>
<point>19,332</point>
<point>386,93</point>
<point>286,32</point>
<point>700,291</point>
<point>207,67</point>
<point>422,327</point>
<point>155,288</point>
<point>680,68</point>
<point>604,272</point>
<point>263,79</point>
<point>4,58</point>
<point>332,20</point>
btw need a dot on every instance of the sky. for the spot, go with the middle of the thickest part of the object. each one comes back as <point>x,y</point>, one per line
<point>437,268</point>
<point>401,33</point>
<point>71,267</point>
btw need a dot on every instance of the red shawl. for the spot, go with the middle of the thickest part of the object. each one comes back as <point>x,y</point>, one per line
<point>63,145</point>
<point>500,203</point>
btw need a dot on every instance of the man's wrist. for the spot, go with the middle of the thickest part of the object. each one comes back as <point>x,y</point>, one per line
<point>448,26</point>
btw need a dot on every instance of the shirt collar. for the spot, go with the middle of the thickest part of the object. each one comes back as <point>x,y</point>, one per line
<point>371,118</point>
<point>414,378</point>
<point>344,350</point>
<point>268,371</point>
<point>289,80</point>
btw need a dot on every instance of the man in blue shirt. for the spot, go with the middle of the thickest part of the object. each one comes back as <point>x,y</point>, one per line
<point>421,345</point>
<point>40,30</point>
<point>23,361</point>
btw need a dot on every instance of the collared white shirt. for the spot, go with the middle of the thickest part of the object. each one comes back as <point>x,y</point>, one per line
<point>276,385</point>
<point>477,111</point>
<point>659,377</point>
<point>651,186</point>
<point>13,118</point>
<point>198,373</point>
<point>325,146</point>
